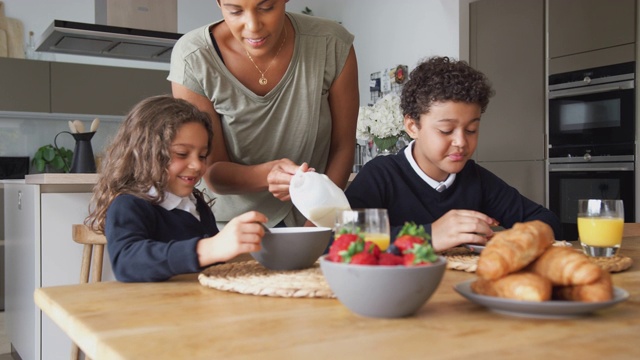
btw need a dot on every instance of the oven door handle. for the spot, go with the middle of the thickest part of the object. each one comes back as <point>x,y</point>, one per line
<point>591,167</point>
<point>591,90</point>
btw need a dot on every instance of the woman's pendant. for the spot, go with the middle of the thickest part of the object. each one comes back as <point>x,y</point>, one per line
<point>263,80</point>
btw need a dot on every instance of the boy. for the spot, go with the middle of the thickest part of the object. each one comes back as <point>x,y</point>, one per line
<point>433,180</point>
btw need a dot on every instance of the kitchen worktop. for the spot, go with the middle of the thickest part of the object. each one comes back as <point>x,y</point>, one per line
<point>77,178</point>
<point>52,178</point>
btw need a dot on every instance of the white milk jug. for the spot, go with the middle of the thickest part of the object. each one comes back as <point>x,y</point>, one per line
<point>317,197</point>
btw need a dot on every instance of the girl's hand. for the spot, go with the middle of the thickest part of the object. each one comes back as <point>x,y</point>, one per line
<point>280,176</point>
<point>458,227</point>
<point>241,235</point>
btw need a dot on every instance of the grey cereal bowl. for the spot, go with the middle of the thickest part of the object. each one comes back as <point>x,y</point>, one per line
<point>292,248</point>
<point>382,291</point>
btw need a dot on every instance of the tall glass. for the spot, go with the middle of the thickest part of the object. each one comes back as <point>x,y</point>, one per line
<point>600,224</point>
<point>373,224</point>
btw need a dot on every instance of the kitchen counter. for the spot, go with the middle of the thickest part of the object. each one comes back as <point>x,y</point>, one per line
<point>61,179</point>
<point>39,212</point>
<point>181,319</point>
<point>52,178</point>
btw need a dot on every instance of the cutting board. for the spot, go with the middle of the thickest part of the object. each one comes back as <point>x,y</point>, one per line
<point>3,44</point>
<point>3,19</point>
<point>15,38</point>
<point>14,34</point>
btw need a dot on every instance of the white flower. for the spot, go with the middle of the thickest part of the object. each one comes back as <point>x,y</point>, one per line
<point>382,120</point>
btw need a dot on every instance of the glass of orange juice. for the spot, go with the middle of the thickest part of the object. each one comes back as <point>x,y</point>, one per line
<point>373,224</point>
<point>600,224</point>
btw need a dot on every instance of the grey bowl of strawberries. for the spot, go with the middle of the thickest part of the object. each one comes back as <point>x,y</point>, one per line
<point>391,284</point>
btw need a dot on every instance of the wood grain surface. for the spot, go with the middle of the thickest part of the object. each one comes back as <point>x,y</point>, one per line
<point>180,319</point>
<point>3,43</point>
<point>15,38</point>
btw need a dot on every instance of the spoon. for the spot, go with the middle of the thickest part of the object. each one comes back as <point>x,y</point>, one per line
<point>72,127</point>
<point>79,126</point>
<point>94,124</point>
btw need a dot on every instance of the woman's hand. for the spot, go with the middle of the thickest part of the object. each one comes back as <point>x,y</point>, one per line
<point>280,177</point>
<point>458,227</point>
<point>241,235</point>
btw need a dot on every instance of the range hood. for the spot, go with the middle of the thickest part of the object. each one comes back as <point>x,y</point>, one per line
<point>76,38</point>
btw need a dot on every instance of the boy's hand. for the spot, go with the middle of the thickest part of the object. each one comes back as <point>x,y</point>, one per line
<point>242,234</point>
<point>458,227</point>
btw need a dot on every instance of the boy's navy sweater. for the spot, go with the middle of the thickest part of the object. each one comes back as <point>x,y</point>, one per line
<point>390,182</point>
<point>149,243</point>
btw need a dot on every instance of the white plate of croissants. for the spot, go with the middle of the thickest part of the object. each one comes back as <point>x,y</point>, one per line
<point>520,273</point>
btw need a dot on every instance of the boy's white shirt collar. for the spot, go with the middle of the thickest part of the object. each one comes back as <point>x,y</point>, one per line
<point>173,201</point>
<point>433,183</point>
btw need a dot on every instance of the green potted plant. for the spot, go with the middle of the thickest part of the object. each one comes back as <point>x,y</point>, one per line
<point>48,157</point>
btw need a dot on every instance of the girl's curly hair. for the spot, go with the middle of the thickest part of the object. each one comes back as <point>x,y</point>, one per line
<point>138,157</point>
<point>443,79</point>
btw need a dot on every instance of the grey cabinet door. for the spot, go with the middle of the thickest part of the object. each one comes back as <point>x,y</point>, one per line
<point>91,89</point>
<point>577,26</point>
<point>24,85</point>
<point>507,44</point>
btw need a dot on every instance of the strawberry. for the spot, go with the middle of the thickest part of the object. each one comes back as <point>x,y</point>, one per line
<point>419,254</point>
<point>341,245</point>
<point>408,259</point>
<point>409,235</point>
<point>372,248</point>
<point>406,242</point>
<point>390,259</point>
<point>360,247</point>
<point>364,258</point>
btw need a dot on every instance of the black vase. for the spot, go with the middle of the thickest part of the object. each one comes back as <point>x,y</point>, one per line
<point>83,160</point>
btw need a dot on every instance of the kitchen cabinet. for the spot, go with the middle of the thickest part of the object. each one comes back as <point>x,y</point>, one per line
<point>25,85</point>
<point>92,89</point>
<point>507,45</point>
<point>590,33</point>
<point>40,252</point>
<point>56,87</point>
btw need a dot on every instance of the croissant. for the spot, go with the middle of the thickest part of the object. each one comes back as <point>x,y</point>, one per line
<point>566,266</point>
<point>522,285</point>
<point>511,250</point>
<point>600,290</point>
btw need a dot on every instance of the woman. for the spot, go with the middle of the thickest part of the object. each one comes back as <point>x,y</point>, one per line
<point>282,92</point>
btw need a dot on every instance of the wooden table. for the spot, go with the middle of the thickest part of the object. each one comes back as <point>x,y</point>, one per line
<point>180,319</point>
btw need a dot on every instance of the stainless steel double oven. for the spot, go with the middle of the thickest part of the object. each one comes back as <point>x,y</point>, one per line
<point>591,140</point>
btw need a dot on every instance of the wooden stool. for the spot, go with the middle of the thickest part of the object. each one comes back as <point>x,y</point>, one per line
<point>93,248</point>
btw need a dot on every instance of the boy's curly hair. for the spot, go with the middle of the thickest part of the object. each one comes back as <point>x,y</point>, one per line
<point>443,79</point>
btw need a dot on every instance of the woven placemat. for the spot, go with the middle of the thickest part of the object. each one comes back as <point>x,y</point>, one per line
<point>249,277</point>
<point>461,258</point>
<point>615,263</point>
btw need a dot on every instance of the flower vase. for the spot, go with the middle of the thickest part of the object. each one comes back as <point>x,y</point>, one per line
<point>385,152</point>
<point>386,146</point>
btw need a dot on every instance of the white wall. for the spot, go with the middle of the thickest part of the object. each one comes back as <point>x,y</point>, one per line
<point>386,32</point>
<point>389,33</point>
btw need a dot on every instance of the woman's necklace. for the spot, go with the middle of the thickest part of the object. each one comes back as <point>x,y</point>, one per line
<point>263,80</point>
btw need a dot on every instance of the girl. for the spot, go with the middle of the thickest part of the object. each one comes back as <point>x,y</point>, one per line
<point>156,222</point>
